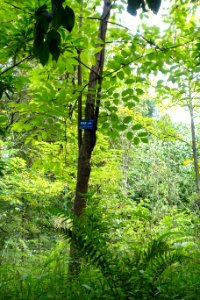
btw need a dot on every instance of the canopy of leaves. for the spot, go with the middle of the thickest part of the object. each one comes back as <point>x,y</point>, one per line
<point>134,5</point>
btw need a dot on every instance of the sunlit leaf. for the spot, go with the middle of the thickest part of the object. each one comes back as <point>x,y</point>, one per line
<point>130,104</point>
<point>139,91</point>
<point>136,140</point>
<point>127,119</point>
<point>142,134</point>
<point>137,127</point>
<point>145,140</point>
<point>127,92</point>
<point>129,135</point>
<point>120,75</point>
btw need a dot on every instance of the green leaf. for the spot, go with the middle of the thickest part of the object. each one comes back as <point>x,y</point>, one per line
<point>128,119</point>
<point>136,140</point>
<point>3,120</point>
<point>127,92</point>
<point>135,98</point>
<point>120,75</point>
<point>112,108</point>
<point>105,125</point>
<point>87,287</point>
<point>53,41</point>
<point>58,17</point>
<point>130,104</point>
<point>145,140</point>
<point>127,98</point>
<point>139,91</point>
<point>55,53</point>
<point>68,18</point>
<point>41,9</point>
<point>42,24</point>
<point>154,5</point>
<point>142,134</point>
<point>116,95</point>
<point>129,81</point>
<point>137,127</point>
<point>39,39</point>
<point>53,36</point>
<point>43,53</point>
<point>121,127</point>
<point>129,135</point>
<point>56,4</point>
<point>113,134</point>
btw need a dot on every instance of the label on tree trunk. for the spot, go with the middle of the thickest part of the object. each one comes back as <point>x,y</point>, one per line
<point>86,124</point>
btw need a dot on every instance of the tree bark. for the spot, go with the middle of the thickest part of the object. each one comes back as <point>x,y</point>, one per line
<point>88,140</point>
<point>194,149</point>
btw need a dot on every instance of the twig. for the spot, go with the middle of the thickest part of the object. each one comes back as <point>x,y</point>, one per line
<point>117,24</point>
<point>141,56</point>
<point>16,64</point>
<point>17,7</point>
<point>82,63</point>
<point>150,42</point>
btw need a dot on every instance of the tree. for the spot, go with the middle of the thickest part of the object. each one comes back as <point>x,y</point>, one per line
<point>131,233</point>
<point>183,80</point>
<point>74,71</point>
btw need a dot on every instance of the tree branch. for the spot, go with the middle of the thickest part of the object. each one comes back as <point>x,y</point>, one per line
<point>17,7</point>
<point>16,64</point>
<point>87,67</point>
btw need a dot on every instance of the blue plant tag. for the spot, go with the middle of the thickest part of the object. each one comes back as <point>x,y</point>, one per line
<point>86,124</point>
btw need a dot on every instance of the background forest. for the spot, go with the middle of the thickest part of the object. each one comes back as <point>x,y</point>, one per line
<point>131,231</point>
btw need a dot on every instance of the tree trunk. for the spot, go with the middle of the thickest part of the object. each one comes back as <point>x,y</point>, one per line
<point>88,141</point>
<point>194,149</point>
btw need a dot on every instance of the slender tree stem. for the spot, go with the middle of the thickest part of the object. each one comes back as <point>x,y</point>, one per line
<point>88,141</point>
<point>194,147</point>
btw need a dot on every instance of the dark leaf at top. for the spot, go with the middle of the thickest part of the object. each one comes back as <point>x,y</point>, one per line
<point>41,9</point>
<point>57,17</point>
<point>56,4</point>
<point>42,24</point>
<point>53,36</point>
<point>154,5</point>
<point>68,18</point>
<point>133,5</point>
<point>43,53</point>
<point>53,41</point>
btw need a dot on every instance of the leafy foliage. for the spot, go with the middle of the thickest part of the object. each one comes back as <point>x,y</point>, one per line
<point>47,40</point>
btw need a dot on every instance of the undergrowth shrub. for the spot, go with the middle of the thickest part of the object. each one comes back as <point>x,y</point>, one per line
<point>130,253</point>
